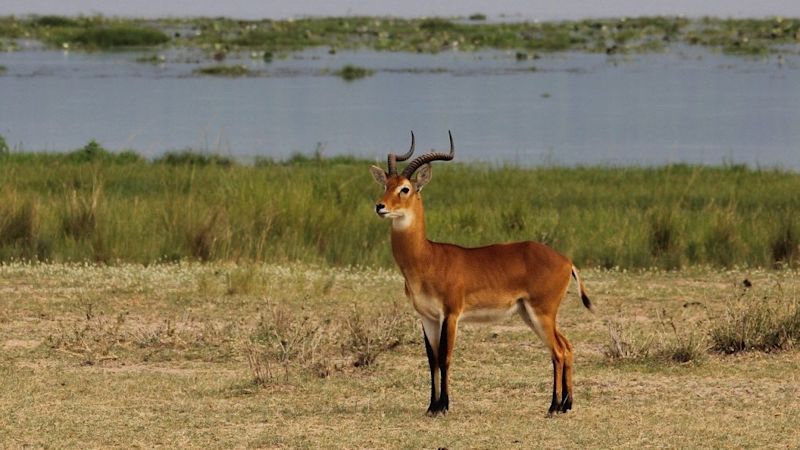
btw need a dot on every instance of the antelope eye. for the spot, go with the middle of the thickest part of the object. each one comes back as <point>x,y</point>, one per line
<point>404,190</point>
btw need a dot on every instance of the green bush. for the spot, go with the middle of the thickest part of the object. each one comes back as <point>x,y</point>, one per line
<point>192,158</point>
<point>117,36</point>
<point>94,152</point>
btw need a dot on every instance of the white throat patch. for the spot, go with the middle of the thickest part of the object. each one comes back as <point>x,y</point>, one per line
<point>402,222</point>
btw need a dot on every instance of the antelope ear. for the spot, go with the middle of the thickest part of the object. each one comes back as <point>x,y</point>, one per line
<point>379,175</point>
<point>423,177</point>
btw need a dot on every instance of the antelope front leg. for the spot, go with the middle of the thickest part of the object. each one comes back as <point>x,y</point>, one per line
<point>447,343</point>
<point>432,328</point>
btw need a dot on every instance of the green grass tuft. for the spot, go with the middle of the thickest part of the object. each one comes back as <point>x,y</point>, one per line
<point>19,228</point>
<point>754,321</point>
<point>785,245</point>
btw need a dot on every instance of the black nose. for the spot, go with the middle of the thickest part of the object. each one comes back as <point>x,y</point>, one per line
<point>379,207</point>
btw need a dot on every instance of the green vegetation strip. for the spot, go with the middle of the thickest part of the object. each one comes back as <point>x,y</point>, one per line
<point>94,205</point>
<point>641,34</point>
<point>223,70</point>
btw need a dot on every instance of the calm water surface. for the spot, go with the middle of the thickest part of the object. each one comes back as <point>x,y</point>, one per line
<point>682,106</point>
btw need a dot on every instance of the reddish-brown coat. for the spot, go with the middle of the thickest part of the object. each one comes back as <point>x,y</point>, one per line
<point>447,282</point>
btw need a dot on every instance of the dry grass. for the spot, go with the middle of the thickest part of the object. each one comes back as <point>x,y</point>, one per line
<point>227,356</point>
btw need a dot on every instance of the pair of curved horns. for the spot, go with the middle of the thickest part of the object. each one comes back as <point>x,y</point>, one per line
<point>393,159</point>
<point>420,160</point>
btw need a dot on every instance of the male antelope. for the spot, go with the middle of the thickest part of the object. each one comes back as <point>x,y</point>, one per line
<point>447,283</point>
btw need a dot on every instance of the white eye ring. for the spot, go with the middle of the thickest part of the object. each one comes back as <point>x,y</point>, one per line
<point>405,190</point>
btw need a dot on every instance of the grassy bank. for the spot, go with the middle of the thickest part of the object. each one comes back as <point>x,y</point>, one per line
<point>265,356</point>
<point>92,205</point>
<point>613,35</point>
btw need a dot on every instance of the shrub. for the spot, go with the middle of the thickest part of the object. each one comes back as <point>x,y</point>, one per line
<point>623,345</point>
<point>94,152</point>
<point>368,338</point>
<point>682,346</point>
<point>754,321</point>
<point>90,152</point>
<point>281,339</point>
<point>351,73</point>
<point>666,345</point>
<point>191,158</point>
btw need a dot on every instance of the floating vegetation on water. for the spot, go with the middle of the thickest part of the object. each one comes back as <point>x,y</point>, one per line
<point>54,21</point>
<point>352,73</point>
<point>224,70</point>
<point>151,59</point>
<point>429,35</point>
<point>110,38</point>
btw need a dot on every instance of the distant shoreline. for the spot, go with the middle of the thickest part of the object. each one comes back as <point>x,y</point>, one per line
<point>218,36</point>
<point>515,10</point>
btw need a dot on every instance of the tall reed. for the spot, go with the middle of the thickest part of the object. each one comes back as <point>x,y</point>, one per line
<point>109,207</point>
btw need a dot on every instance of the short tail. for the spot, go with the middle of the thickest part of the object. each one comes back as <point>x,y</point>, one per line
<point>585,298</point>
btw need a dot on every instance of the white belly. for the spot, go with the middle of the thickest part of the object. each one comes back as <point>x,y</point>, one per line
<point>489,314</point>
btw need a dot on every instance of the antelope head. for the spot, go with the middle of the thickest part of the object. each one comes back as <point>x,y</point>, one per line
<point>401,201</point>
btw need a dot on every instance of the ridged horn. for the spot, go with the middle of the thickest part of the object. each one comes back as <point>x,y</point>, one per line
<point>428,157</point>
<point>393,159</point>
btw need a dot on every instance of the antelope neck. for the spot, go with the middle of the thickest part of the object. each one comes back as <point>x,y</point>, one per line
<point>409,244</point>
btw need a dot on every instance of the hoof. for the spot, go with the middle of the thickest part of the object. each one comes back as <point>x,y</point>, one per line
<point>439,408</point>
<point>434,413</point>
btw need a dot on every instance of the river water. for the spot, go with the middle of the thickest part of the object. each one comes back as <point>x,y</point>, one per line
<point>686,105</point>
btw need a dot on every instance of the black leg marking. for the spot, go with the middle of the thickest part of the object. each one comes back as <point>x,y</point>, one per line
<point>566,400</point>
<point>443,404</point>
<point>433,364</point>
<point>555,404</point>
